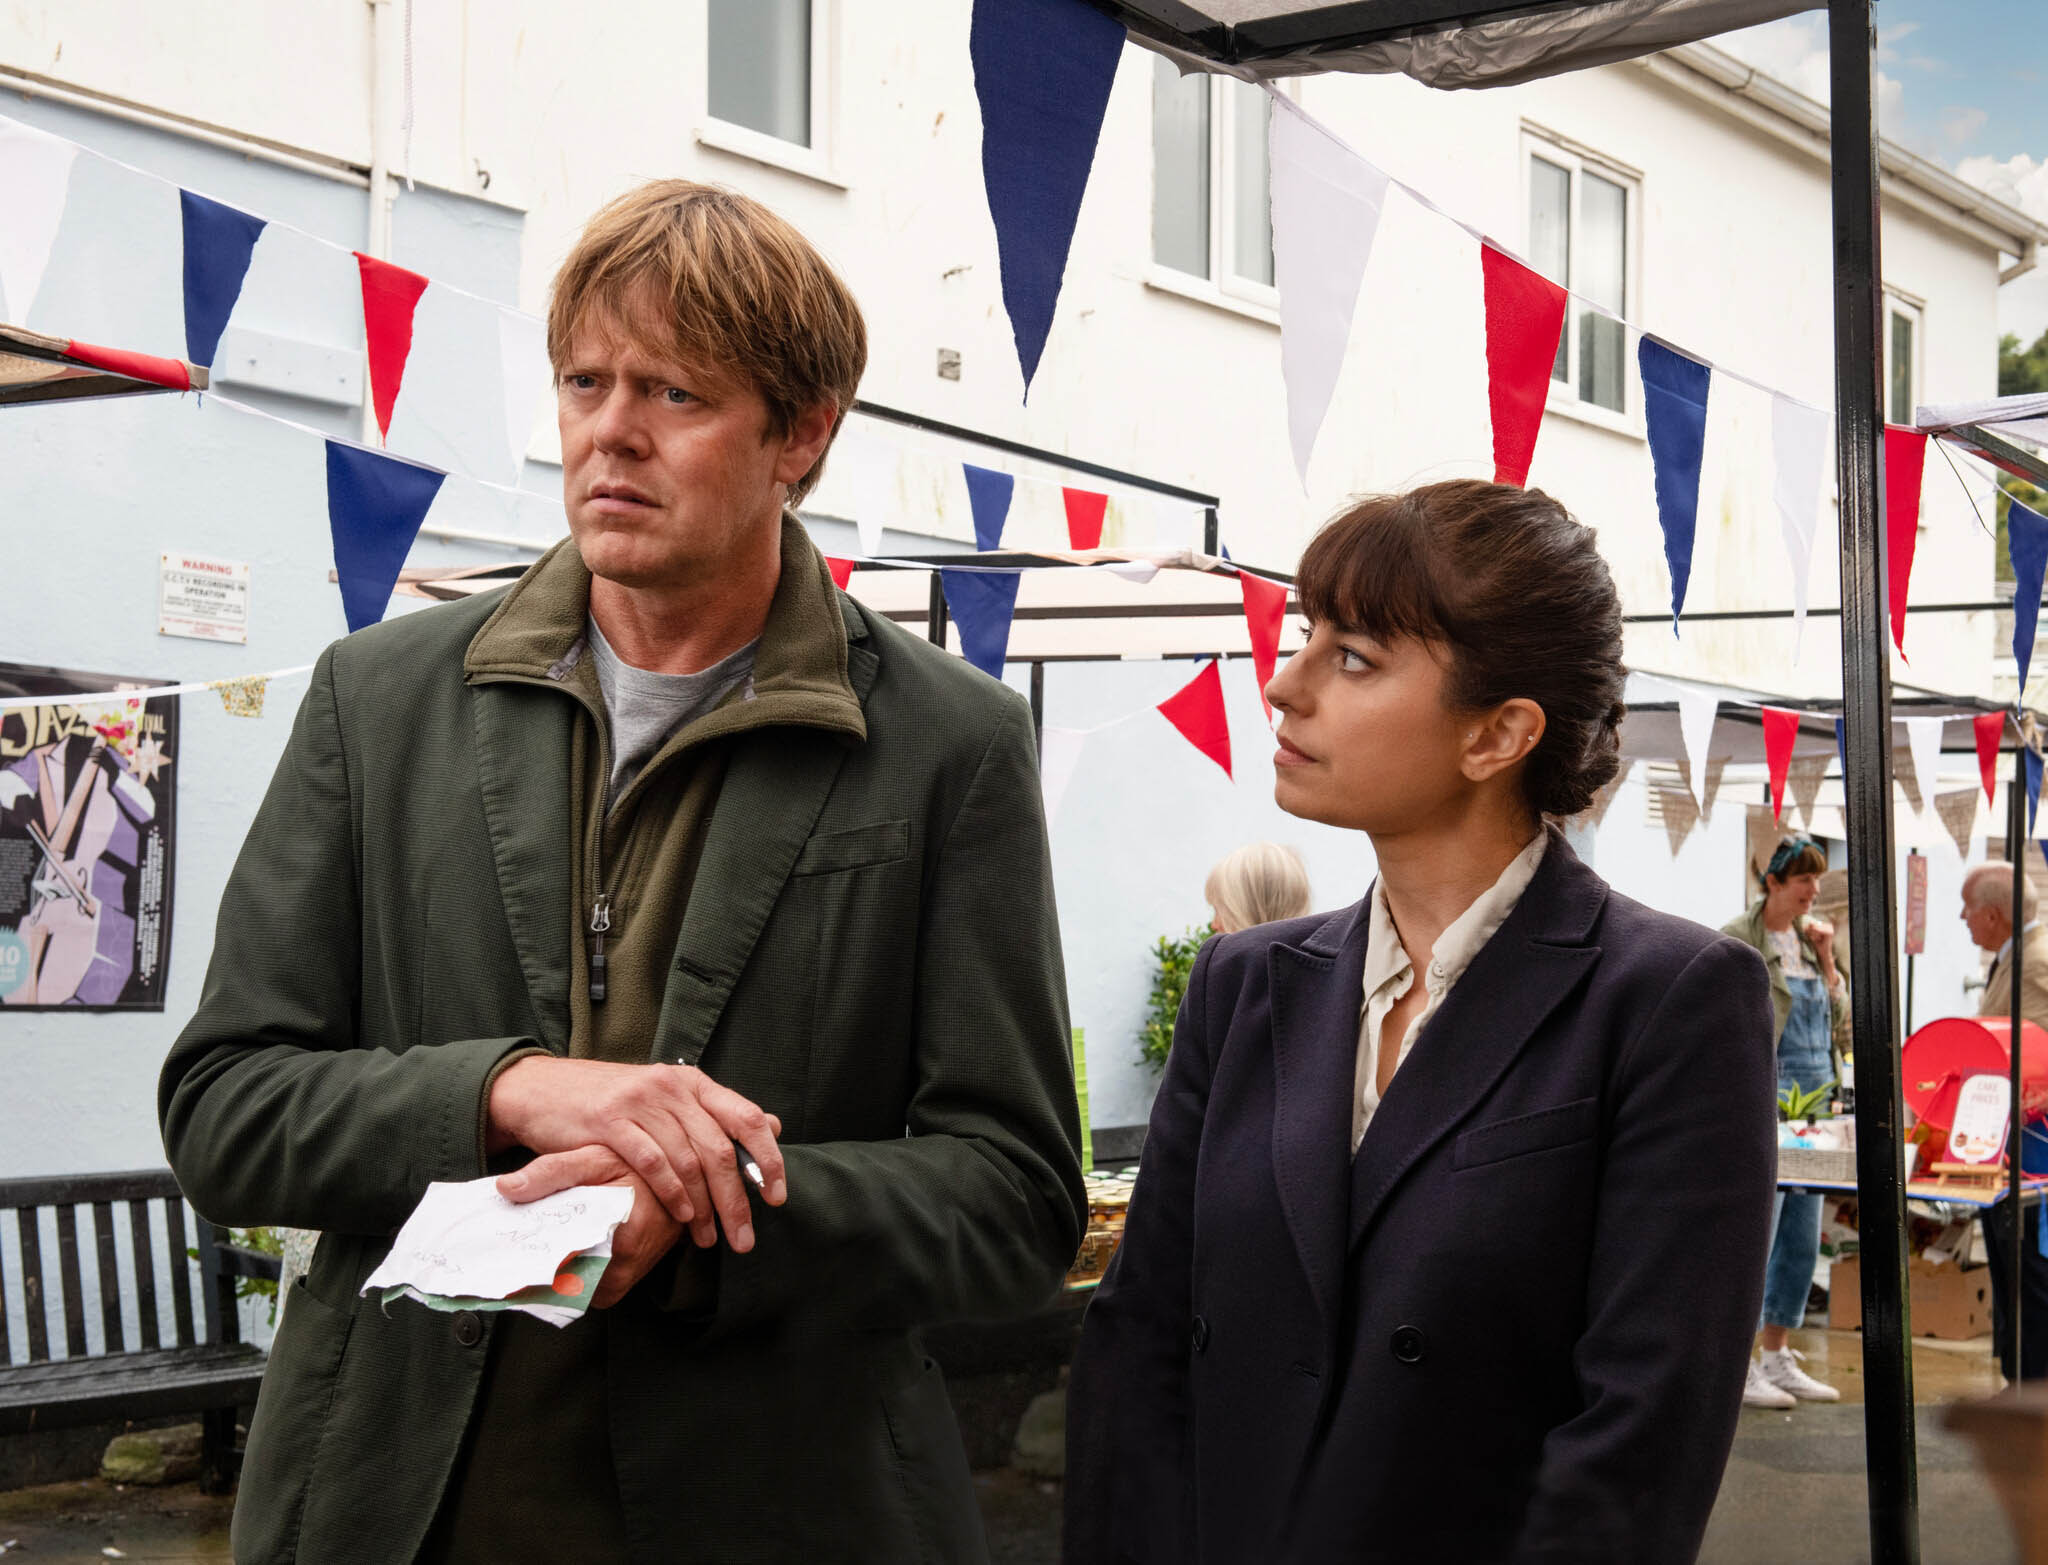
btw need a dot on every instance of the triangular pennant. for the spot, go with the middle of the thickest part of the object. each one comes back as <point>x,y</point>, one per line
<point>2032,758</point>
<point>525,378</point>
<point>2026,531</point>
<point>1905,457</point>
<point>218,243</point>
<point>982,604</point>
<point>1680,813</point>
<point>1803,779</point>
<point>1696,709</point>
<point>35,185</point>
<point>390,295</point>
<point>1923,739</point>
<point>1958,816</point>
<point>1799,450</point>
<point>1042,71</point>
<point>242,697</point>
<point>1596,812</point>
<point>988,494</point>
<point>1059,752</point>
<point>869,470</point>
<point>1989,730</point>
<point>1326,203</point>
<point>1781,729</point>
<point>1906,775</point>
<point>1524,319</point>
<point>1675,412</point>
<point>1084,517</point>
<point>842,571</point>
<point>1197,710</point>
<point>1265,609</point>
<point>375,504</point>
<point>1717,767</point>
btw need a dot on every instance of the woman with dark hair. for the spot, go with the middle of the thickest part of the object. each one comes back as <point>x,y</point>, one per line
<point>1809,1008</point>
<point>1447,1243</point>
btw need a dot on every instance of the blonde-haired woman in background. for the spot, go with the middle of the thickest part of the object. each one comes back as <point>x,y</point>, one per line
<point>1259,883</point>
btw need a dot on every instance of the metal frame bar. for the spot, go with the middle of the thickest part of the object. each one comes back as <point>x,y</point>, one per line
<point>2003,452</point>
<point>1891,1472</point>
<point>2015,855</point>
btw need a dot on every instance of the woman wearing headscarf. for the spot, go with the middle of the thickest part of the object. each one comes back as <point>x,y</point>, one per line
<point>1447,1243</point>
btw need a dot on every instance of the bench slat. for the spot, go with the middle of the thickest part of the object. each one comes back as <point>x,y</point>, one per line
<point>142,1249</point>
<point>32,1283</point>
<point>75,1189</point>
<point>68,1280</point>
<point>181,1269</point>
<point>132,1386</point>
<point>110,1276</point>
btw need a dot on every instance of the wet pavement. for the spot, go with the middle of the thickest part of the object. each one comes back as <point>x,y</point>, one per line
<point>1794,1490</point>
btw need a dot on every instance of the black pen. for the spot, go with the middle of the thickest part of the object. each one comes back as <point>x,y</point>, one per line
<point>750,1168</point>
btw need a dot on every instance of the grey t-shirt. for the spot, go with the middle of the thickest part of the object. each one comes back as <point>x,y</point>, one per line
<point>645,708</point>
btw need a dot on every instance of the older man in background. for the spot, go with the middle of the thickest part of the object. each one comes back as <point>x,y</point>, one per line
<point>1987,911</point>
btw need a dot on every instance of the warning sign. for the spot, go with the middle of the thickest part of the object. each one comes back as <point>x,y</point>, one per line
<point>207,600</point>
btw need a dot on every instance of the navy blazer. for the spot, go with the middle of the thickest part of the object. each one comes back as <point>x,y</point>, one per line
<point>1514,1327</point>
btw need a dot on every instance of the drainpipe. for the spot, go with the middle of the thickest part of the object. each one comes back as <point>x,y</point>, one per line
<point>2029,259</point>
<point>385,109</point>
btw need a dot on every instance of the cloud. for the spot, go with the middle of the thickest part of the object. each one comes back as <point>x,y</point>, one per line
<point>2018,181</point>
<point>1795,51</point>
<point>1959,123</point>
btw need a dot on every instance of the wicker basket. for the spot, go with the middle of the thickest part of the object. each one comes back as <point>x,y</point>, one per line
<point>1833,1166</point>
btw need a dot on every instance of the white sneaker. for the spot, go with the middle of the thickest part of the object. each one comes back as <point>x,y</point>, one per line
<point>1781,1369</point>
<point>1759,1392</point>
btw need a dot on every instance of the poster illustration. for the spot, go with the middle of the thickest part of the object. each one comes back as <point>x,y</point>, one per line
<point>87,836</point>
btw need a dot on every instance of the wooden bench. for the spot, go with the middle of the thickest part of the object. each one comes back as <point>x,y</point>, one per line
<point>179,1364</point>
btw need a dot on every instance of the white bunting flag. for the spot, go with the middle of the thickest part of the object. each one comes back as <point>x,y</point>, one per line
<point>868,468</point>
<point>1923,737</point>
<point>1059,752</point>
<point>1326,212</point>
<point>35,182</point>
<point>1696,709</point>
<point>1799,447</point>
<point>524,369</point>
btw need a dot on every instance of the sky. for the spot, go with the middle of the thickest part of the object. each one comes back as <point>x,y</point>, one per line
<point>1964,83</point>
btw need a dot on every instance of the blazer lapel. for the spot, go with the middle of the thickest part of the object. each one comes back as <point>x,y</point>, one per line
<point>1522,974</point>
<point>1316,996</point>
<point>522,762</point>
<point>774,789</point>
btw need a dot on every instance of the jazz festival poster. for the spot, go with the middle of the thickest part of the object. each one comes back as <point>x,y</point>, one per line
<point>88,797</point>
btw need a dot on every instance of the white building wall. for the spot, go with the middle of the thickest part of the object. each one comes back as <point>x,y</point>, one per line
<point>562,111</point>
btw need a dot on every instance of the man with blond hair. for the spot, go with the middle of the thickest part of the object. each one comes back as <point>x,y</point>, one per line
<point>1987,914</point>
<point>668,847</point>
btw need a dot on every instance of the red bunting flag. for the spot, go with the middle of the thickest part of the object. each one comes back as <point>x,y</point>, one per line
<point>1990,731</point>
<point>1084,517</point>
<point>842,571</point>
<point>137,366</point>
<point>1265,607</point>
<point>1905,459</point>
<point>1781,728</point>
<point>1524,319</point>
<point>1196,709</point>
<point>390,294</point>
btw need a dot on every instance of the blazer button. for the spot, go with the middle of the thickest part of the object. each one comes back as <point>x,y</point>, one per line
<point>1409,1344</point>
<point>1200,1336</point>
<point>469,1330</point>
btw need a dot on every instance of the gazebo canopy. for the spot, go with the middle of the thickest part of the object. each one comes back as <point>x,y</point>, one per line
<point>1430,40</point>
<point>2008,432</point>
<point>39,368</point>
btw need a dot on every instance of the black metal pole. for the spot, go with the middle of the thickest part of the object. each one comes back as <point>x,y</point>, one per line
<point>1212,530</point>
<point>2016,856</point>
<point>1038,700</point>
<point>1891,1472</point>
<point>935,612</point>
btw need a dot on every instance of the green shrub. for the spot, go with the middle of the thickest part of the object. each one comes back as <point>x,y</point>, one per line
<point>1176,959</point>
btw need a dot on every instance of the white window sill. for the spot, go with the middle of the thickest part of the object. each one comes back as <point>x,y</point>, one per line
<point>1200,290</point>
<point>1628,426</point>
<point>770,151</point>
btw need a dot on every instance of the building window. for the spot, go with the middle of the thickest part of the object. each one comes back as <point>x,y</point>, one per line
<point>1901,358</point>
<point>1211,208</point>
<point>763,73</point>
<point>1581,221</point>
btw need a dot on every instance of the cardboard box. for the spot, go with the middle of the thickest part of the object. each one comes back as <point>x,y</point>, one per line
<point>1947,1301</point>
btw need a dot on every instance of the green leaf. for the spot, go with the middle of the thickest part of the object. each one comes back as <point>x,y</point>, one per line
<point>1175,958</point>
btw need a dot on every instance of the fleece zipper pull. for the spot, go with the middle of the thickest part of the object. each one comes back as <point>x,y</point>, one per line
<point>600,921</point>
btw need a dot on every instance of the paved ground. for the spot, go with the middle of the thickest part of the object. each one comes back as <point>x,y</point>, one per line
<point>1794,1490</point>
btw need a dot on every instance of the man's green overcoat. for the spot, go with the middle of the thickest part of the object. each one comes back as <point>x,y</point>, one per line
<point>869,950</point>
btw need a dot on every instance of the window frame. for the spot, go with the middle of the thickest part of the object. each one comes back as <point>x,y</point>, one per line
<point>1914,311</point>
<point>1223,286</point>
<point>819,160</point>
<point>1578,160</point>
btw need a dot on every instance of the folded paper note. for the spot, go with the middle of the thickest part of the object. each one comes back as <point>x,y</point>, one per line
<point>466,1247</point>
